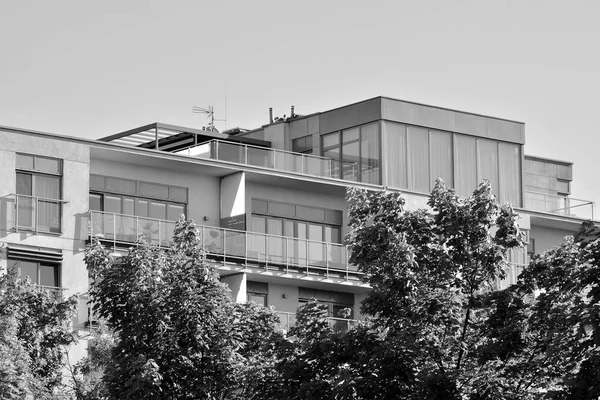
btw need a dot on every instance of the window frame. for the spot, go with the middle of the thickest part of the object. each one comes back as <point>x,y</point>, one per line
<point>36,173</point>
<point>57,266</point>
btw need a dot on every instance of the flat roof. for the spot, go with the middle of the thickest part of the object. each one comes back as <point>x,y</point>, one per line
<point>166,137</point>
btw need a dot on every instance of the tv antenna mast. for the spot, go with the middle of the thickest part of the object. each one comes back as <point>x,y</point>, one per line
<point>210,113</point>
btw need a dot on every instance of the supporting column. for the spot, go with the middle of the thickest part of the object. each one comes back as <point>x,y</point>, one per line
<point>237,285</point>
<point>233,201</point>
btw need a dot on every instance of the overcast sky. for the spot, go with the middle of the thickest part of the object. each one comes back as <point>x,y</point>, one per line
<point>91,69</point>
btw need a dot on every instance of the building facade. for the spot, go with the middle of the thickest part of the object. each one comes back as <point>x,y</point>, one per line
<point>270,202</point>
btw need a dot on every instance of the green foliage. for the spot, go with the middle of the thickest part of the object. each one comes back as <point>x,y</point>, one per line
<point>34,331</point>
<point>178,333</point>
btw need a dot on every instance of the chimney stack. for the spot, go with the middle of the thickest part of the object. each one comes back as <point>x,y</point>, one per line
<point>270,115</point>
<point>292,114</point>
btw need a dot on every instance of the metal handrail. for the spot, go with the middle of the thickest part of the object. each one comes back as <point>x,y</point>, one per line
<point>227,247</point>
<point>302,156</point>
<point>36,199</point>
<point>545,197</point>
<point>349,322</point>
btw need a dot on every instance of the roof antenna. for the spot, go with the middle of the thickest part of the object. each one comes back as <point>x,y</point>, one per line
<point>210,113</point>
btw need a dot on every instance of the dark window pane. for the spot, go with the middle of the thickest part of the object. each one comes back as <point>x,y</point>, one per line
<point>49,215</point>
<point>310,213</point>
<point>154,191</point>
<point>259,206</point>
<point>95,202</point>
<point>97,182</point>
<point>120,185</point>
<point>24,161</point>
<point>48,275</point>
<point>259,225</point>
<point>369,148</point>
<point>174,211</point>
<point>281,209</point>
<point>178,194</point>
<point>158,210</point>
<point>465,165</point>
<point>48,165</point>
<point>24,184</point>
<point>331,140</point>
<point>47,186</point>
<point>418,159</point>
<point>141,208</point>
<point>112,204</point>
<point>28,269</point>
<point>259,299</point>
<point>128,206</point>
<point>350,135</point>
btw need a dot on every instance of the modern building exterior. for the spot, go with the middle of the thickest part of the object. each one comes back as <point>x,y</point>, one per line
<point>270,202</point>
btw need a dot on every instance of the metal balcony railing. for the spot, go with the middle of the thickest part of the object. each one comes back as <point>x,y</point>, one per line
<point>281,160</point>
<point>53,291</point>
<point>288,319</point>
<point>561,205</point>
<point>37,214</point>
<point>234,246</point>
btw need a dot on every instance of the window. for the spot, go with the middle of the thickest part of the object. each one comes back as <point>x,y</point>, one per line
<point>257,292</point>
<point>40,273</point>
<point>335,301</point>
<point>131,208</point>
<point>357,151</point>
<point>38,192</point>
<point>303,145</point>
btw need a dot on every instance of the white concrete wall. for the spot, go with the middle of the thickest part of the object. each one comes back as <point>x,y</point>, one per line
<point>283,297</point>
<point>547,238</point>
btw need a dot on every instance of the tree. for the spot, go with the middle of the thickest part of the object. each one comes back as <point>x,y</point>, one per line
<point>431,272</point>
<point>35,328</point>
<point>178,332</point>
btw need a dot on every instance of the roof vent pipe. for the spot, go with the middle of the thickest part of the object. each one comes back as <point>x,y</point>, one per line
<point>292,114</point>
<point>270,115</point>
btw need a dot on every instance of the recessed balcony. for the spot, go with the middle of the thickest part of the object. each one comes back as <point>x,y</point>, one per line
<point>229,246</point>
<point>281,160</point>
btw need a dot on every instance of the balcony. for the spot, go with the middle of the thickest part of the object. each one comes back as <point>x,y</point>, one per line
<point>35,214</point>
<point>341,325</point>
<point>260,250</point>
<point>560,205</point>
<point>275,159</point>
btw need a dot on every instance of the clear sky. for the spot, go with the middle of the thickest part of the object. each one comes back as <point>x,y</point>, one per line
<point>91,69</point>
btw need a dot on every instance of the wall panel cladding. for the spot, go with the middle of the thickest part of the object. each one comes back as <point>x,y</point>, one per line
<point>547,176</point>
<point>452,121</point>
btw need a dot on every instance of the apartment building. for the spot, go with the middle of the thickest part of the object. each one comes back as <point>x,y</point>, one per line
<point>270,202</point>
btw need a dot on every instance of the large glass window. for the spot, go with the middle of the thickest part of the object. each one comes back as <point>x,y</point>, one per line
<point>509,156</point>
<point>487,162</point>
<point>39,273</point>
<point>358,152</point>
<point>418,159</point>
<point>465,164</point>
<point>38,189</point>
<point>441,157</point>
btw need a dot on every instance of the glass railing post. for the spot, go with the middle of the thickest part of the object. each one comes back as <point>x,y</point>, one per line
<point>35,201</point>
<point>327,259</point>
<point>216,150</point>
<point>287,269</point>
<point>114,232</point>
<point>274,160</point>
<point>302,164</point>
<point>137,229</point>
<point>17,213</point>
<point>245,154</point>
<point>266,252</point>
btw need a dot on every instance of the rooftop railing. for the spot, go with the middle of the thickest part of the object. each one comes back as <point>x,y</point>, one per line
<point>231,246</point>
<point>281,160</point>
<point>560,205</point>
<point>34,213</point>
<point>288,319</point>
